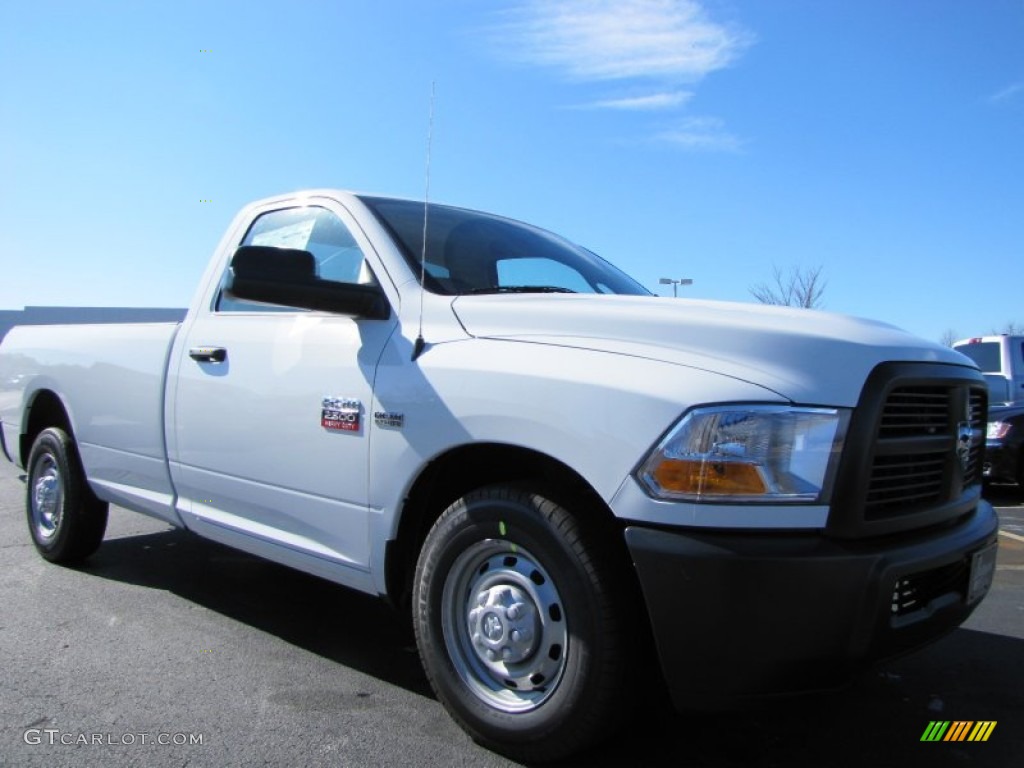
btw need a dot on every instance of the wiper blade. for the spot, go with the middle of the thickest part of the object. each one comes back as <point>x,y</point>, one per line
<point>522,289</point>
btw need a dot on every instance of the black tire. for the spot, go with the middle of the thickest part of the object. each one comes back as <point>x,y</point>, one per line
<point>560,684</point>
<point>66,520</point>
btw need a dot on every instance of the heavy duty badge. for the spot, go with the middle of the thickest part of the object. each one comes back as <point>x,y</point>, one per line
<point>340,414</point>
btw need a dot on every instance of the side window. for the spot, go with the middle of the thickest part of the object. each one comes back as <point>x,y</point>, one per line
<point>311,228</point>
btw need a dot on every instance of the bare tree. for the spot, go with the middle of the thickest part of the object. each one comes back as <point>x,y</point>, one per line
<point>1010,329</point>
<point>948,337</point>
<point>799,287</point>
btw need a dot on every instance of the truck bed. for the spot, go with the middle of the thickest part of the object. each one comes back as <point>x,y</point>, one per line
<point>120,437</point>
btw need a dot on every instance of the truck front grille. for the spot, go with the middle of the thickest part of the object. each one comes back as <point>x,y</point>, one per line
<point>915,411</point>
<point>979,418</point>
<point>914,452</point>
<point>907,472</point>
<point>900,481</point>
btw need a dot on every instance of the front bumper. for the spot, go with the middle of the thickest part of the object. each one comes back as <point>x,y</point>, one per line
<point>738,616</point>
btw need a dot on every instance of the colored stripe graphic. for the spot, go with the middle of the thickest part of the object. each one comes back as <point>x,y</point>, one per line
<point>958,730</point>
<point>982,730</point>
<point>935,731</point>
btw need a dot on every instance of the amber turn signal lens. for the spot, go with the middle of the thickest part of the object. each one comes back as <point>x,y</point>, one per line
<point>706,478</point>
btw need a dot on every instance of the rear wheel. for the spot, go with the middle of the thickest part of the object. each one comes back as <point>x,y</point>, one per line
<point>65,519</point>
<point>519,624</point>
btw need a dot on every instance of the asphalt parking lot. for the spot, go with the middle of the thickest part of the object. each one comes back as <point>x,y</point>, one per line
<point>232,660</point>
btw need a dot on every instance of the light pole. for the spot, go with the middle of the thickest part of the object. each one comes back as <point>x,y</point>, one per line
<point>675,284</point>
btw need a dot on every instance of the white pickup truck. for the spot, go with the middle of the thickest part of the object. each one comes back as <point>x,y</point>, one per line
<point>1001,360</point>
<point>553,471</point>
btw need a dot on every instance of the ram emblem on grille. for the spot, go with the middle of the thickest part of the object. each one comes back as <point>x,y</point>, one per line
<point>964,436</point>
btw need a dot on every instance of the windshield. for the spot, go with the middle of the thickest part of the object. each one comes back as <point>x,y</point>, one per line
<point>471,252</point>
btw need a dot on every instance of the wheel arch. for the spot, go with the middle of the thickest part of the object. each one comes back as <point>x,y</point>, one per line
<point>45,410</point>
<point>468,467</point>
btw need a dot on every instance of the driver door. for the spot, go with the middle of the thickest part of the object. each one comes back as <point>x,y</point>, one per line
<point>270,442</point>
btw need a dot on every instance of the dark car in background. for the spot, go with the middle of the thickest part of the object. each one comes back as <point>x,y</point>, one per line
<point>1004,462</point>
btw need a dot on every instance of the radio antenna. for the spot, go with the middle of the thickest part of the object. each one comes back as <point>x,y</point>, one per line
<point>420,344</point>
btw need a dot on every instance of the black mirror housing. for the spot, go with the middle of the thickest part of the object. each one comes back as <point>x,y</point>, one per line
<point>287,277</point>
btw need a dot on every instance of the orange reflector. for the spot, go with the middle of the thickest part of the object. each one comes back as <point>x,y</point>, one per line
<point>709,478</point>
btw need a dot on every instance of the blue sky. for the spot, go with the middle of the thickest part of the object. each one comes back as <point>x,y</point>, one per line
<point>712,140</point>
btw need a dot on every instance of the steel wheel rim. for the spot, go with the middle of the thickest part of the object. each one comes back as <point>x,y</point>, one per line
<point>504,626</point>
<point>47,497</point>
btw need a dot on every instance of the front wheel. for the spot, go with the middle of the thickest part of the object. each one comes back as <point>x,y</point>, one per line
<point>65,519</point>
<point>519,623</point>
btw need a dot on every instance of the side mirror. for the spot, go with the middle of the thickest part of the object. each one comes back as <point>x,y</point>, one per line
<point>287,277</point>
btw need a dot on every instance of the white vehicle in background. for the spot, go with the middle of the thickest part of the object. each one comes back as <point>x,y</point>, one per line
<point>1001,359</point>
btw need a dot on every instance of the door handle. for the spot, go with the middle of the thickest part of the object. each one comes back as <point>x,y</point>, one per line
<point>208,354</point>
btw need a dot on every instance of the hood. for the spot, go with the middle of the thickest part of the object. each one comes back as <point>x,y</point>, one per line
<point>809,357</point>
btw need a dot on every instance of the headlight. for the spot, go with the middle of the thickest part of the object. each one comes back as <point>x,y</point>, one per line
<point>997,430</point>
<point>747,453</point>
